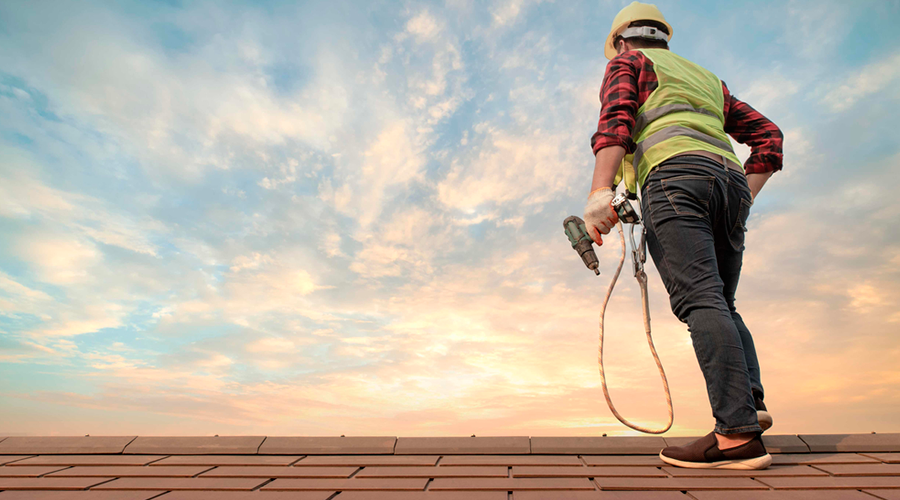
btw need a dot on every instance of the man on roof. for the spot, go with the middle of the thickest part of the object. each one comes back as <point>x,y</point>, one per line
<point>663,130</point>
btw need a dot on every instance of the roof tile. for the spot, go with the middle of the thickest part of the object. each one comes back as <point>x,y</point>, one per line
<point>28,471</point>
<point>511,484</point>
<point>323,445</point>
<point>91,460</point>
<point>60,445</point>
<point>271,472</point>
<point>366,460</point>
<point>245,495</point>
<point>599,445</point>
<point>531,471</point>
<point>821,458</point>
<point>632,460</point>
<point>862,469</point>
<point>680,484</point>
<point>235,460</point>
<point>79,495</point>
<point>199,445</point>
<point>471,471</point>
<point>49,483</point>
<point>510,460</point>
<point>884,494</point>
<point>772,471</point>
<point>180,483</point>
<point>128,471</point>
<point>423,495</point>
<point>781,495</point>
<point>346,484</point>
<point>888,458</point>
<point>812,483</point>
<point>848,442</point>
<point>463,445</point>
<point>12,458</point>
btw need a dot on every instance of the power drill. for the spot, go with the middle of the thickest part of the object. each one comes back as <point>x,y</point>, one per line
<point>581,240</point>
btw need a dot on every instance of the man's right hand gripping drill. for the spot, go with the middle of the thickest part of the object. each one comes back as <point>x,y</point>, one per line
<point>599,215</point>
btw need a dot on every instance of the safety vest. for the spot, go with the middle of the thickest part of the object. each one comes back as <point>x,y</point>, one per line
<point>684,113</point>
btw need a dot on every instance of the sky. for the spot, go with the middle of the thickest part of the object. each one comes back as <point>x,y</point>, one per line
<point>335,217</point>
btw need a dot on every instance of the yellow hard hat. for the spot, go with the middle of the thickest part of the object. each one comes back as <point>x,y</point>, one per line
<point>636,11</point>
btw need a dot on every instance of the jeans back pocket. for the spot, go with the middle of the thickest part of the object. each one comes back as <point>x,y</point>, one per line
<point>689,194</point>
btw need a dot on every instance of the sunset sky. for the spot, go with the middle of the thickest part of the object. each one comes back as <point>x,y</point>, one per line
<point>336,217</point>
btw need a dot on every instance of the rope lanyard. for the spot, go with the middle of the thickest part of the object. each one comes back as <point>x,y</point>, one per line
<point>639,255</point>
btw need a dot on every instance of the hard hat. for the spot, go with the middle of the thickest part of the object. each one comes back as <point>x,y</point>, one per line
<point>636,11</point>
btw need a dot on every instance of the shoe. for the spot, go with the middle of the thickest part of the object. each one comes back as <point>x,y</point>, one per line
<point>765,419</point>
<point>704,453</point>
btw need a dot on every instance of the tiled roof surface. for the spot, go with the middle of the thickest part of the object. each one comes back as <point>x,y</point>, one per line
<point>821,467</point>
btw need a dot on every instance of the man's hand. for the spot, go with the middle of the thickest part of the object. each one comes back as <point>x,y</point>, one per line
<point>599,216</point>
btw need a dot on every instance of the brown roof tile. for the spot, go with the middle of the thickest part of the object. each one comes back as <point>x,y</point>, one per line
<point>511,484</point>
<point>772,471</point>
<point>849,442</point>
<point>62,445</point>
<point>346,484</point>
<point>599,445</point>
<point>813,483</point>
<point>596,495</point>
<point>50,483</point>
<point>884,494</point>
<point>92,460</point>
<point>180,483</point>
<point>463,445</point>
<point>680,484</point>
<point>821,458</point>
<point>888,458</point>
<point>28,471</point>
<point>272,472</point>
<point>861,469</point>
<point>6,459</point>
<point>78,495</point>
<point>127,471</point>
<point>781,495</point>
<point>367,460</point>
<point>202,445</point>
<point>510,460</point>
<point>325,445</point>
<point>236,460</point>
<point>635,460</point>
<point>471,471</point>
<point>422,495</point>
<point>245,495</point>
<point>606,471</point>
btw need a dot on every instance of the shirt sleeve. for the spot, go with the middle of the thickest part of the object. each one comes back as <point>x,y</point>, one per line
<point>619,103</point>
<point>748,126</point>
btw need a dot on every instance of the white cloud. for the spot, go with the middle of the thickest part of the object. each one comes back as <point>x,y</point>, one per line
<point>871,79</point>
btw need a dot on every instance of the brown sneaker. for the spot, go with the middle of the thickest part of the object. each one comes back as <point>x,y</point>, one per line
<point>704,453</point>
<point>765,419</point>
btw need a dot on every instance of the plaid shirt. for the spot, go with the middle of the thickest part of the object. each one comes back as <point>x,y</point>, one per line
<point>630,79</point>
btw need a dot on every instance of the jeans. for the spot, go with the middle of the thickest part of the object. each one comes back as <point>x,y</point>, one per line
<point>695,212</point>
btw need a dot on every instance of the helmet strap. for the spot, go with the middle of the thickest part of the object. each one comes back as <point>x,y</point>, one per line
<point>644,32</point>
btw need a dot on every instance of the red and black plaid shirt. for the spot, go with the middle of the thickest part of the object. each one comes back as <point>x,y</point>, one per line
<point>630,79</point>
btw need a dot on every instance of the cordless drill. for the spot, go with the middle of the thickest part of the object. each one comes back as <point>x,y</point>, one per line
<point>582,241</point>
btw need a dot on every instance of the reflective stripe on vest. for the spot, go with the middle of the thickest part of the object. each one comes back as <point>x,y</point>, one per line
<point>675,131</point>
<point>648,116</point>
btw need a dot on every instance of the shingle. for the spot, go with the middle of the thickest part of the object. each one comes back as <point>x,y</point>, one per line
<point>598,495</point>
<point>884,494</point>
<point>78,495</point>
<point>772,471</point>
<point>130,471</point>
<point>89,460</point>
<point>198,445</point>
<point>180,483</point>
<point>421,495</point>
<point>862,469</point>
<point>849,442</point>
<point>599,445</point>
<point>28,471</point>
<point>275,471</point>
<point>507,484</point>
<point>366,460</point>
<point>346,484</point>
<point>681,484</point>
<point>487,445</point>
<point>62,445</point>
<point>510,460</point>
<point>630,460</point>
<point>781,495</point>
<point>13,458</point>
<point>821,458</point>
<point>47,483</point>
<point>888,458</point>
<point>324,445</point>
<point>532,471</point>
<point>234,460</point>
<point>471,471</point>
<point>812,483</point>
<point>246,495</point>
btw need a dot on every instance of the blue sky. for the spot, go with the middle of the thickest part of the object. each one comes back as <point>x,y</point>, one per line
<point>345,218</point>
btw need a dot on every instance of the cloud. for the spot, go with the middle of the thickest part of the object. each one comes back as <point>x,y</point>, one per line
<point>870,79</point>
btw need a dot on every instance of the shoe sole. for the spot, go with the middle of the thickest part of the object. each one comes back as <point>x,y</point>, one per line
<point>744,464</point>
<point>765,420</point>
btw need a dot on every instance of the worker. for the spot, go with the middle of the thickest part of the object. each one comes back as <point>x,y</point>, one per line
<point>663,125</point>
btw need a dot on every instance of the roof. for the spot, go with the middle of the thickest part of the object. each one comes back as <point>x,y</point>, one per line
<point>836,466</point>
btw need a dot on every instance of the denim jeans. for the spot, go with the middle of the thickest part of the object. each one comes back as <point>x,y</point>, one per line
<point>695,212</point>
